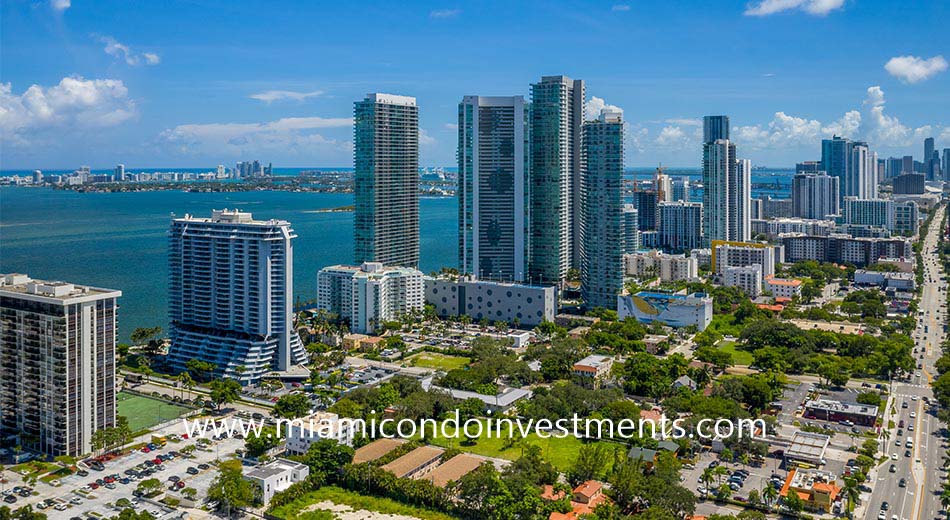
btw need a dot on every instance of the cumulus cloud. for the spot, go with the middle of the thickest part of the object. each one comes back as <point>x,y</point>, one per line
<point>620,7</point>
<point>73,103</point>
<point>684,121</point>
<point>425,139</point>
<point>282,95</point>
<point>290,134</point>
<point>913,69</point>
<point>444,13</point>
<point>593,108</point>
<point>60,5</point>
<point>451,126</point>
<point>815,7</point>
<point>123,52</point>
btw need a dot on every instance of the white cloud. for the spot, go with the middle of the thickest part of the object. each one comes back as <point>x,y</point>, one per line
<point>684,121</point>
<point>73,103</point>
<point>672,137</point>
<point>286,135</point>
<point>123,52</point>
<point>280,95</point>
<point>620,7</point>
<point>815,7</point>
<point>451,126</point>
<point>60,5</point>
<point>444,13</point>
<point>593,108</point>
<point>913,69</point>
<point>425,139</point>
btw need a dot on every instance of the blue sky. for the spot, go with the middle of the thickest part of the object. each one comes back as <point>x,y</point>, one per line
<point>177,84</point>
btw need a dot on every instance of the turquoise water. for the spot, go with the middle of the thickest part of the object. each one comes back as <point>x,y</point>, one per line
<point>118,240</point>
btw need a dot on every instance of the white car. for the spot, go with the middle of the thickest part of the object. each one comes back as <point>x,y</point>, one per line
<point>913,415</point>
<point>893,456</point>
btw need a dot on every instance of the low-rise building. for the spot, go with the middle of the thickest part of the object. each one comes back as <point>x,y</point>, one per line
<point>675,310</point>
<point>376,450</point>
<point>415,463</point>
<point>885,280</point>
<point>303,432</point>
<point>453,469</point>
<point>783,287</point>
<point>844,249</point>
<point>748,278</point>
<point>817,489</point>
<point>655,343</point>
<point>656,264</point>
<point>584,499</point>
<point>276,476</point>
<point>836,411</point>
<point>594,369</point>
<point>740,254</point>
<point>501,402</point>
<point>527,305</point>
<point>807,447</point>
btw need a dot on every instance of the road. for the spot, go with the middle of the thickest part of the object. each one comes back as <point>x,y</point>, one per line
<point>922,471</point>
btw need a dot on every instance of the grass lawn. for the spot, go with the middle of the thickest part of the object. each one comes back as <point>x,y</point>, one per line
<point>739,357</point>
<point>145,412</point>
<point>299,508</point>
<point>33,468</point>
<point>559,452</point>
<point>438,361</point>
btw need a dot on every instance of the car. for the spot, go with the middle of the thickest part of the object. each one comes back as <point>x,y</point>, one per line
<point>904,404</point>
<point>885,506</point>
<point>902,483</point>
<point>910,427</point>
<point>10,499</point>
<point>192,470</point>
<point>109,479</point>
<point>733,486</point>
<point>82,473</point>
<point>894,456</point>
<point>205,466</point>
<point>174,478</point>
<point>893,468</point>
<point>882,516</point>
<point>93,485</point>
<point>76,501</point>
<point>24,493</point>
<point>110,485</point>
<point>913,415</point>
<point>907,453</point>
<point>180,484</point>
<point>702,490</point>
<point>900,432</point>
<point>146,449</point>
<point>61,507</point>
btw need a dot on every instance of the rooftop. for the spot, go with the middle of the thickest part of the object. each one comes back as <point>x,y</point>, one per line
<point>22,285</point>
<point>838,406</point>
<point>413,460</point>
<point>454,469</point>
<point>274,468</point>
<point>376,449</point>
<point>229,216</point>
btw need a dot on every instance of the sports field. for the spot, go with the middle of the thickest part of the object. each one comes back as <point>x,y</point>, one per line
<point>145,412</point>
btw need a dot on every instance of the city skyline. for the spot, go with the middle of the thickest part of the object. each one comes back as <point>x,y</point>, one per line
<point>112,92</point>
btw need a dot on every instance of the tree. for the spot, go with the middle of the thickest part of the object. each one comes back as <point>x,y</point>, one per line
<point>185,381</point>
<point>851,494</point>
<point>484,494</point>
<point>292,406</point>
<point>794,502</point>
<point>590,464</point>
<point>768,494</point>
<point>724,492</point>
<point>707,477</point>
<point>201,370</point>
<point>258,444</point>
<point>224,391</point>
<point>148,486</point>
<point>229,489</point>
<point>326,456</point>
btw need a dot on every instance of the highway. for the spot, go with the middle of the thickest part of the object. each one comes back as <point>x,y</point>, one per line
<point>922,470</point>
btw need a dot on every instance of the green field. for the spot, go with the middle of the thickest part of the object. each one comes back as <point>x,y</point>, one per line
<point>739,357</point>
<point>559,452</point>
<point>438,361</point>
<point>145,412</point>
<point>303,507</point>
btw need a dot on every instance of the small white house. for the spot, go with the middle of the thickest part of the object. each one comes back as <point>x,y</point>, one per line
<point>276,476</point>
<point>322,425</point>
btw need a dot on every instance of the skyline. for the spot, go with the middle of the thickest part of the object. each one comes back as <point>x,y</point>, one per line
<point>190,85</point>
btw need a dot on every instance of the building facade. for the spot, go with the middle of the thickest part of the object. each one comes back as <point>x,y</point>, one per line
<point>668,268</point>
<point>741,254</point>
<point>520,304</point>
<point>748,278</point>
<point>603,218</point>
<point>370,294</point>
<point>680,225</point>
<point>556,162</point>
<point>815,195</point>
<point>230,284</point>
<point>631,229</point>
<point>57,363</point>
<point>386,180</point>
<point>674,310</point>
<point>492,187</point>
<point>909,184</point>
<point>853,164</point>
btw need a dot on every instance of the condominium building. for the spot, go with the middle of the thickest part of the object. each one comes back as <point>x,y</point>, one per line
<point>748,278</point>
<point>851,163</point>
<point>726,187</point>
<point>775,227</point>
<point>303,432</point>
<point>906,218</point>
<point>776,208</point>
<point>815,195</point>
<point>909,184</point>
<point>869,212</point>
<point>370,294</point>
<point>555,165</point>
<point>57,363</point>
<point>492,187</point>
<point>603,219</point>
<point>783,287</point>
<point>680,225</point>
<point>645,202</point>
<point>681,190</point>
<point>844,249</point>
<point>386,180</point>
<point>230,284</point>
<point>740,254</point>
<point>669,268</point>
<point>520,304</point>
<point>631,229</point>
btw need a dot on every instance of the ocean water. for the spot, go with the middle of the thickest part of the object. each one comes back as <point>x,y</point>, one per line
<point>119,241</point>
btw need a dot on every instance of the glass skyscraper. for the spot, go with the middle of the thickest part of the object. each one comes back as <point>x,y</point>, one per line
<point>556,162</point>
<point>727,185</point>
<point>386,180</point>
<point>492,188</point>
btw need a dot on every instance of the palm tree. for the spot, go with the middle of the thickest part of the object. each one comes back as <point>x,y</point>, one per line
<point>851,493</point>
<point>719,471</point>
<point>769,493</point>
<point>707,478</point>
<point>186,382</point>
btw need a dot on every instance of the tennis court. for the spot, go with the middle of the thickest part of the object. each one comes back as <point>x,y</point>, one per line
<point>145,412</point>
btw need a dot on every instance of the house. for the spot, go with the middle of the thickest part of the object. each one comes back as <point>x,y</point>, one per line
<point>276,476</point>
<point>817,489</point>
<point>594,369</point>
<point>416,462</point>
<point>655,343</point>
<point>352,341</point>
<point>584,498</point>
<point>684,381</point>
<point>376,450</point>
<point>647,455</point>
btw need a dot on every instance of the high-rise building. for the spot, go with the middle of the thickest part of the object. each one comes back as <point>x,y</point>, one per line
<point>386,180</point>
<point>603,219</point>
<point>57,363</point>
<point>118,175</point>
<point>853,164</point>
<point>492,187</point>
<point>370,294</point>
<point>631,229</point>
<point>909,184</point>
<point>946,163</point>
<point>907,164</point>
<point>680,225</point>
<point>230,284</point>
<point>815,195</point>
<point>726,190</point>
<point>896,217</point>
<point>746,277</point>
<point>663,185</point>
<point>645,203</point>
<point>906,218</point>
<point>893,167</point>
<point>715,128</point>
<point>681,190</point>
<point>928,158</point>
<point>37,177</point>
<point>808,167</point>
<point>555,166</point>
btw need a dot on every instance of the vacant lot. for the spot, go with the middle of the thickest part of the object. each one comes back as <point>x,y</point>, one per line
<point>438,361</point>
<point>739,357</point>
<point>145,412</point>
<point>347,505</point>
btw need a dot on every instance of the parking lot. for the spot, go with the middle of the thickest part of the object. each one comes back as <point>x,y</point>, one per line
<point>75,499</point>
